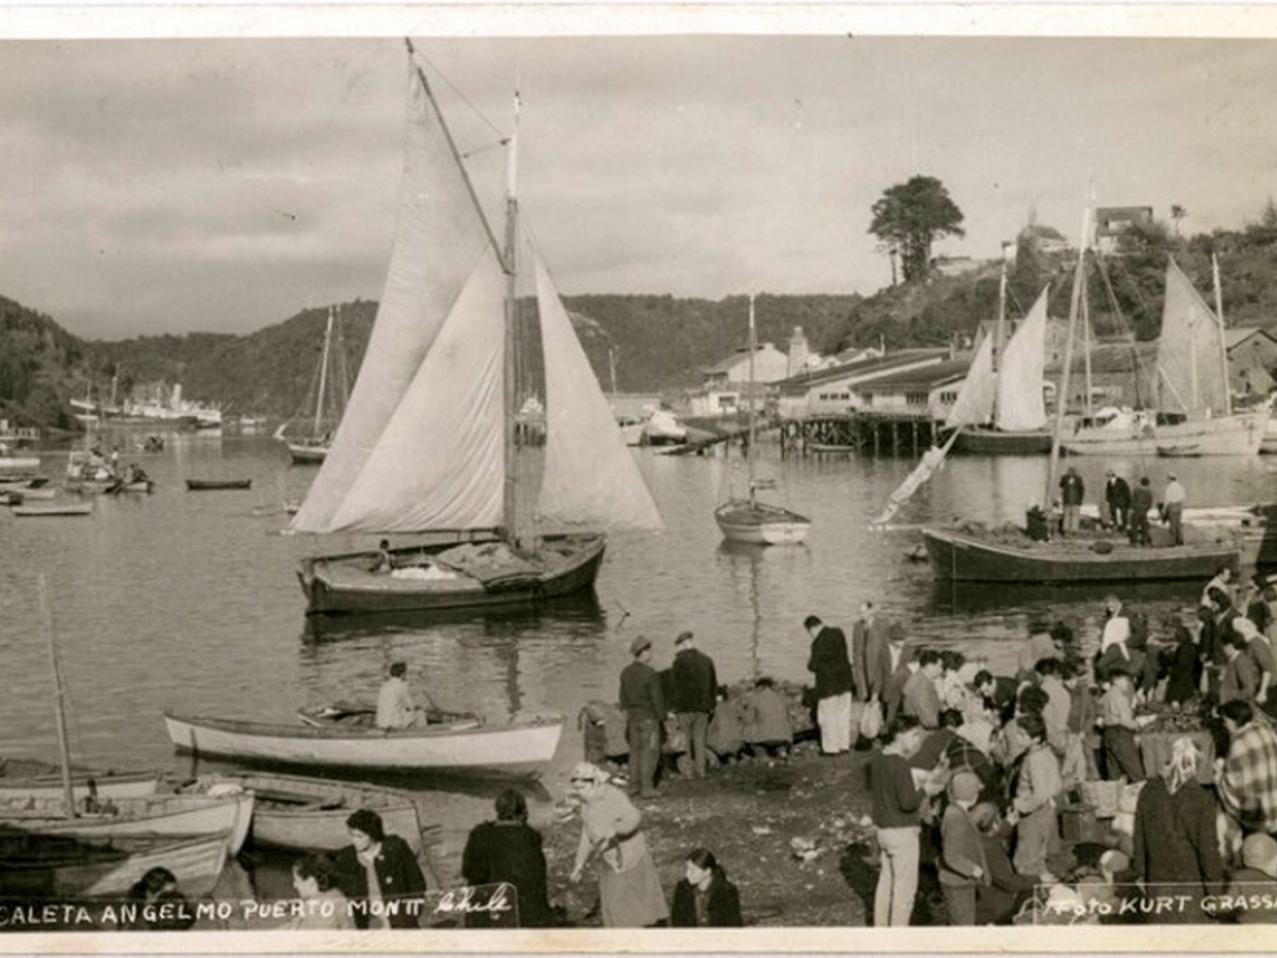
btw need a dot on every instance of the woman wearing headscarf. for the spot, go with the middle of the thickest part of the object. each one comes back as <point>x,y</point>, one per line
<point>630,894</point>
<point>1175,850</point>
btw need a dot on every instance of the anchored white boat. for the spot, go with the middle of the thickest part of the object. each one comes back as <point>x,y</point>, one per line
<point>1111,431</point>
<point>748,520</point>
<point>331,394</point>
<point>521,749</point>
<point>159,814</point>
<point>25,779</point>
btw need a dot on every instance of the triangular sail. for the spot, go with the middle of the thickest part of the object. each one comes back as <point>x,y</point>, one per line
<point>590,477</point>
<point>1190,375</point>
<point>440,461</point>
<point>1020,403</point>
<point>438,238</point>
<point>974,405</point>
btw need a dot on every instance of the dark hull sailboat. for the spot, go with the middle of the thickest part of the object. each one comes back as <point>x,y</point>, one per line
<point>958,557</point>
<point>974,440</point>
<point>427,445</point>
<point>562,566</point>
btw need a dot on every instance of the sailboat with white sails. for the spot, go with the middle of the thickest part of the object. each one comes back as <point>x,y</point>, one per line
<point>331,394</point>
<point>751,520</point>
<point>427,443</point>
<point>1000,408</point>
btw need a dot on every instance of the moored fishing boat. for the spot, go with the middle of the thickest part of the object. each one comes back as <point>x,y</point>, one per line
<point>299,813</point>
<point>53,510</point>
<point>427,443</point>
<point>520,749</point>
<point>158,814</point>
<point>750,520</point>
<point>39,867</point>
<point>331,393</point>
<point>963,557</point>
<point>204,485</point>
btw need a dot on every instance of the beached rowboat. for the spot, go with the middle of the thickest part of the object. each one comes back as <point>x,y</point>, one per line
<point>182,815</point>
<point>520,749</point>
<point>38,867</point>
<point>298,812</point>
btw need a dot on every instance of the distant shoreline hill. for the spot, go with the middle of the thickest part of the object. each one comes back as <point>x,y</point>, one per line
<point>658,342</point>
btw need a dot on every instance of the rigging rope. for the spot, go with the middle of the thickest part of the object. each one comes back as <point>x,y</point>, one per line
<point>418,54</point>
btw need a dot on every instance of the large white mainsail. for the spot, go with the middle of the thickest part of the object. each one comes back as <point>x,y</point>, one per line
<point>590,477</point>
<point>1020,405</point>
<point>974,405</point>
<point>438,239</point>
<point>440,461</point>
<point>1190,376</point>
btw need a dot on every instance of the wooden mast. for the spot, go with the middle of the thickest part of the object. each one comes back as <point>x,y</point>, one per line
<point>1223,340</point>
<point>1062,394</point>
<point>64,745</point>
<point>1086,343</point>
<point>511,491</point>
<point>1000,343</point>
<point>323,375</point>
<point>749,454</point>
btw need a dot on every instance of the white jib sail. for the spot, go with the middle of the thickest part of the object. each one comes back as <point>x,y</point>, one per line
<point>590,477</point>
<point>438,238</point>
<point>1190,375</point>
<point>1020,403</point>
<point>440,461</point>
<point>974,405</point>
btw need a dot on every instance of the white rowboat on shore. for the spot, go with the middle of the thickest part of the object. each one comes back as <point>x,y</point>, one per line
<point>520,749</point>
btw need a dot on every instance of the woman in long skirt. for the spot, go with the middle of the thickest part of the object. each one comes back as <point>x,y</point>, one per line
<point>630,892</point>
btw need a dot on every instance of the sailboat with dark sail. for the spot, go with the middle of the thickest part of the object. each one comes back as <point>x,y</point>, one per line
<point>427,443</point>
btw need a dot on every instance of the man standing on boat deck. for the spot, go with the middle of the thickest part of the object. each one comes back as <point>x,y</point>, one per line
<point>829,663</point>
<point>644,707</point>
<point>396,708</point>
<point>1117,496</point>
<point>1174,497</point>
<point>1141,502</point>
<point>1072,494</point>
<point>695,694</point>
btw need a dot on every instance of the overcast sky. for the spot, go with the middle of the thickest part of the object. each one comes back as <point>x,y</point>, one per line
<point>168,186</point>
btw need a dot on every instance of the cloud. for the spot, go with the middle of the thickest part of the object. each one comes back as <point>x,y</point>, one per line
<point>224,184</point>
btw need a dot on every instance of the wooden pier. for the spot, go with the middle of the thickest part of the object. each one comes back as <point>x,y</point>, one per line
<point>865,433</point>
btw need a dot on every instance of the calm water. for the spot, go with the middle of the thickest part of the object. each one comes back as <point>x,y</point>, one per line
<point>190,601</point>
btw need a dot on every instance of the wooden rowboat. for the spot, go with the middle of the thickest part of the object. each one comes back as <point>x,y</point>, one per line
<point>53,510</point>
<point>300,813</point>
<point>521,749</point>
<point>959,557</point>
<point>759,523</point>
<point>161,814</point>
<point>204,485</point>
<point>30,779</point>
<point>36,867</point>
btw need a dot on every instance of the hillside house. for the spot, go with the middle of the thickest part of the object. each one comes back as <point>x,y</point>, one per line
<point>834,391</point>
<point>1252,360</point>
<point>1112,221</point>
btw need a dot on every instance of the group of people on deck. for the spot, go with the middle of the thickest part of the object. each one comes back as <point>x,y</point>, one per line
<point>1124,508</point>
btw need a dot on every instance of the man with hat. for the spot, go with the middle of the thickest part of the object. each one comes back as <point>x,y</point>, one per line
<point>1173,498</point>
<point>962,864</point>
<point>832,668</point>
<point>1117,496</point>
<point>1257,880</point>
<point>1072,495</point>
<point>695,693</point>
<point>644,707</point>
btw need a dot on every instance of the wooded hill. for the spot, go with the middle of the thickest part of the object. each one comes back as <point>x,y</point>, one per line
<point>660,342</point>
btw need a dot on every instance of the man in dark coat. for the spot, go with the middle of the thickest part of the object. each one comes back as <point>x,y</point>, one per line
<point>868,642</point>
<point>893,672</point>
<point>695,692</point>
<point>1137,521</point>
<point>998,689</point>
<point>507,852</point>
<point>380,875</point>
<point>1072,495</point>
<point>829,663</point>
<point>644,707</point>
<point>1117,496</point>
